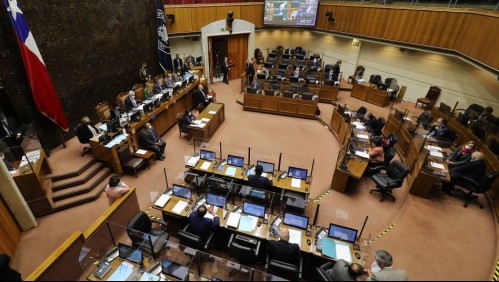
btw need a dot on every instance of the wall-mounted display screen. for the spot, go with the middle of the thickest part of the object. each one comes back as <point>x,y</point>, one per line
<point>290,12</point>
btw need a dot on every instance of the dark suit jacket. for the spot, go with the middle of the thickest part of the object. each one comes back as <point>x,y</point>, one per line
<point>340,272</point>
<point>202,226</point>
<point>128,103</point>
<point>149,138</point>
<point>114,113</point>
<point>472,169</point>
<point>12,126</point>
<point>177,63</point>
<point>259,181</point>
<point>158,89</point>
<point>442,132</point>
<point>83,132</point>
<point>225,66</point>
<point>284,251</point>
<point>199,97</point>
<point>250,69</point>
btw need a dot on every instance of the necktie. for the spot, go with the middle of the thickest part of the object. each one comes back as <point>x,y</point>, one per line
<point>4,124</point>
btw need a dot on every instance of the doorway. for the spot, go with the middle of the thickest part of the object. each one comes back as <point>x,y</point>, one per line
<point>219,46</point>
<point>235,48</point>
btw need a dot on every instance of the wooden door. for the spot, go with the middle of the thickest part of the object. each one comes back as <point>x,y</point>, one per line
<point>237,54</point>
<point>210,50</point>
<point>10,233</point>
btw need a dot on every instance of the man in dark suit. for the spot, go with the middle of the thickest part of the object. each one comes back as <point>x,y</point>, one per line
<point>177,63</point>
<point>152,141</point>
<point>115,112</point>
<point>282,250</point>
<point>201,97</point>
<point>344,271</point>
<point>86,130</point>
<point>440,129</point>
<point>225,70</point>
<point>250,71</point>
<point>258,181</point>
<point>473,169</point>
<point>159,86</point>
<point>130,102</point>
<point>201,225</point>
<point>10,131</point>
<point>187,120</point>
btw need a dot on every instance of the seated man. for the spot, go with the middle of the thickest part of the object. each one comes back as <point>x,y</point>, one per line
<point>440,129</point>
<point>130,102</point>
<point>187,120</point>
<point>382,269</point>
<point>461,155</point>
<point>151,141</point>
<point>177,76</point>
<point>159,87</point>
<point>473,169</point>
<point>201,97</point>
<point>282,250</point>
<point>201,225</point>
<point>345,271</point>
<point>10,131</point>
<point>258,181</point>
<point>169,81</point>
<point>87,130</point>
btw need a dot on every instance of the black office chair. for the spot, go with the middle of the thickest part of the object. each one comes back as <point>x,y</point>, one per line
<point>390,141</point>
<point>295,88</point>
<point>275,84</point>
<point>79,130</point>
<point>320,272</point>
<point>246,254</point>
<point>474,187</point>
<point>194,241</point>
<point>425,119</point>
<point>143,236</point>
<point>393,178</point>
<point>285,270</point>
<point>377,126</point>
<point>375,167</point>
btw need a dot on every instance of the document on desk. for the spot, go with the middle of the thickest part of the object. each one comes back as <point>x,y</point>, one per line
<point>197,122</point>
<point>356,123</point>
<point>436,154</point>
<point>103,127</point>
<point>212,112</point>
<point>205,119</point>
<point>146,276</point>
<point>205,165</point>
<point>179,207</point>
<point>337,250</point>
<point>192,161</point>
<point>141,152</point>
<point>433,148</point>
<point>233,220</point>
<point>362,136</point>
<point>247,223</point>
<point>163,199</point>
<point>437,165</point>
<point>361,127</point>
<point>362,154</point>
<point>295,182</point>
<point>231,171</point>
<point>122,272</point>
<point>295,237</point>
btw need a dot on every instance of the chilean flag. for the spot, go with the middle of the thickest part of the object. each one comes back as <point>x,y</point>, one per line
<point>41,85</point>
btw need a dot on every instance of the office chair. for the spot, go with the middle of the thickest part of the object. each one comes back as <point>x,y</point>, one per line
<point>179,118</point>
<point>390,141</point>
<point>308,96</point>
<point>79,130</point>
<point>474,187</point>
<point>283,269</point>
<point>130,163</point>
<point>270,92</point>
<point>425,119</point>
<point>144,236</point>
<point>431,97</point>
<point>194,241</point>
<point>274,84</point>
<point>246,254</point>
<point>288,94</point>
<point>375,167</point>
<point>393,178</point>
<point>379,126</point>
<point>295,88</point>
<point>320,272</point>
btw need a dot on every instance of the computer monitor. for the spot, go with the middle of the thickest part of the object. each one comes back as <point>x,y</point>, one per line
<point>269,92</point>
<point>207,155</point>
<point>300,56</point>
<point>267,167</point>
<point>135,116</point>
<point>293,79</point>
<point>217,185</point>
<point>191,79</point>
<point>260,76</point>
<point>444,108</point>
<point>181,191</point>
<point>342,233</point>
<point>288,94</point>
<point>382,86</point>
<point>215,200</point>
<point>307,96</point>
<point>273,55</point>
<point>251,90</point>
<point>254,209</point>
<point>235,160</point>
<point>296,220</point>
<point>156,102</point>
<point>286,56</point>
<point>174,269</point>
<point>299,173</point>
<point>113,125</point>
<point>176,88</point>
<point>283,66</point>
<point>147,107</point>
<point>184,83</point>
<point>103,137</point>
<point>126,252</point>
<point>268,65</point>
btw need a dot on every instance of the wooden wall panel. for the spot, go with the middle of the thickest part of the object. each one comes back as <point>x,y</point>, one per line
<point>439,28</point>
<point>183,21</point>
<point>402,25</point>
<point>10,233</point>
<point>224,10</point>
<point>201,16</point>
<point>373,21</point>
<point>253,14</point>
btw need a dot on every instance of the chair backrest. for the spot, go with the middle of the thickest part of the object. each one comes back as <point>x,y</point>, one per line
<point>433,93</point>
<point>486,182</point>
<point>307,96</point>
<point>425,118</point>
<point>359,71</point>
<point>139,92</point>
<point>103,111</point>
<point>381,122</point>
<point>287,94</point>
<point>124,153</point>
<point>362,110</point>
<point>474,110</point>
<point>294,88</point>
<point>274,84</point>
<point>121,99</point>
<point>79,133</point>
<point>179,118</point>
<point>397,170</point>
<point>389,153</point>
<point>269,92</point>
<point>243,253</point>
<point>284,269</point>
<point>141,223</point>
<point>190,240</point>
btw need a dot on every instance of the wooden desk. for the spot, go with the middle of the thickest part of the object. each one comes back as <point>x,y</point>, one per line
<point>340,177</point>
<point>369,94</point>
<point>304,247</point>
<point>210,127</point>
<point>260,232</point>
<point>315,252</point>
<point>286,184</point>
<point>279,105</point>
<point>110,155</point>
<point>423,181</point>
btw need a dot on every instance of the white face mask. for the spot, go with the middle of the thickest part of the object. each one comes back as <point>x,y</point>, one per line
<point>468,147</point>
<point>375,267</point>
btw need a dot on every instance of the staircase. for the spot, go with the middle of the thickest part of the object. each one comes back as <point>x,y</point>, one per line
<point>80,186</point>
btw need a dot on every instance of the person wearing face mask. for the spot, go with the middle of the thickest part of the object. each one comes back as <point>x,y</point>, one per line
<point>159,87</point>
<point>169,81</point>
<point>115,111</point>
<point>177,63</point>
<point>10,131</point>
<point>130,102</point>
<point>151,141</point>
<point>143,73</point>
<point>149,90</point>
<point>461,155</point>
<point>115,189</point>
<point>473,169</point>
<point>177,76</point>
<point>382,270</point>
<point>225,70</point>
<point>87,130</point>
<point>187,120</point>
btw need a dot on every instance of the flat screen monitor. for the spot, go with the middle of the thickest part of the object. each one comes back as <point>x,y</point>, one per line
<point>174,269</point>
<point>300,56</point>
<point>293,79</point>
<point>261,76</point>
<point>382,86</point>
<point>269,92</point>
<point>135,116</point>
<point>103,137</point>
<point>283,66</point>
<point>156,101</point>
<point>191,79</point>
<point>299,173</point>
<point>112,125</point>
<point>296,220</point>
<point>273,55</point>
<point>184,83</point>
<point>181,191</point>
<point>286,56</point>
<point>176,88</point>
<point>267,167</point>
<point>147,107</point>
<point>235,161</point>
<point>207,155</point>
<point>287,94</point>
<point>254,209</point>
<point>215,200</point>
<point>251,90</point>
<point>307,96</point>
<point>444,108</point>
<point>199,60</point>
<point>268,65</point>
<point>131,254</point>
<point>290,13</point>
<point>342,233</point>
<point>217,184</point>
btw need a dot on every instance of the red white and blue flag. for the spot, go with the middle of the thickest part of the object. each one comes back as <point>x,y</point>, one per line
<point>43,90</point>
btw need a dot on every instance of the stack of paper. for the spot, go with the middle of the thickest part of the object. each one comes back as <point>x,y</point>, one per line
<point>161,202</point>
<point>295,182</point>
<point>233,220</point>
<point>205,165</point>
<point>247,223</point>
<point>362,136</point>
<point>141,152</point>
<point>362,154</point>
<point>192,161</point>
<point>212,112</point>
<point>336,249</point>
<point>179,207</point>
<point>437,165</point>
<point>231,171</point>
<point>436,154</point>
<point>295,237</point>
<point>205,119</point>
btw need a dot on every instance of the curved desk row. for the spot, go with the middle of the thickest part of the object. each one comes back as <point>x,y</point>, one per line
<point>280,105</point>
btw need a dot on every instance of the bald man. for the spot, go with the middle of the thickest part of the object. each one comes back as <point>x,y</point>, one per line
<point>282,250</point>
<point>474,169</point>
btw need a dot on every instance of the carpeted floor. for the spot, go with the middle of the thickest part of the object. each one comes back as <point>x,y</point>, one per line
<point>433,239</point>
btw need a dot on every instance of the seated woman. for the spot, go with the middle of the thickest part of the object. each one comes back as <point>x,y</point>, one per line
<point>187,120</point>
<point>461,155</point>
<point>149,90</point>
<point>376,154</point>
